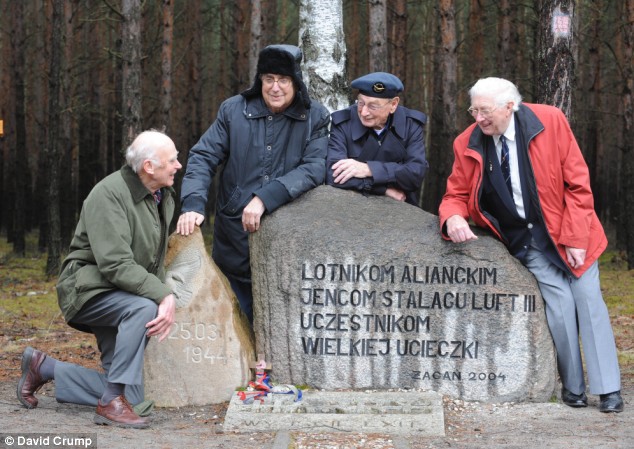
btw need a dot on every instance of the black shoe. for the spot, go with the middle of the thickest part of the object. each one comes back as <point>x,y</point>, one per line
<point>573,400</point>
<point>611,402</point>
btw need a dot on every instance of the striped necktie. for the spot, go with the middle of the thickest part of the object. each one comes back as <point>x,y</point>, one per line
<point>504,163</point>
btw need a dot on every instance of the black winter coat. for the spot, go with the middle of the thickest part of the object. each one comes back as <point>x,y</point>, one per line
<point>276,157</point>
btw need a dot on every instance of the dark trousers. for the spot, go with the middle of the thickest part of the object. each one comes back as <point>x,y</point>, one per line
<point>244,293</point>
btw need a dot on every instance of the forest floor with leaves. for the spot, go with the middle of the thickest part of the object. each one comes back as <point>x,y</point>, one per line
<point>29,316</point>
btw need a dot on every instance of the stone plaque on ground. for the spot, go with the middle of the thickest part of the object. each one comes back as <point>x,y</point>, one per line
<point>356,292</point>
<point>207,354</point>
<point>402,413</point>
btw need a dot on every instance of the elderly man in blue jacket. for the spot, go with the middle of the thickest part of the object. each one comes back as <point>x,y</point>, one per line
<point>272,141</point>
<point>376,145</point>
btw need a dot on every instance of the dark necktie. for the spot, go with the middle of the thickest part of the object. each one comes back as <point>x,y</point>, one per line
<point>504,163</point>
<point>158,196</point>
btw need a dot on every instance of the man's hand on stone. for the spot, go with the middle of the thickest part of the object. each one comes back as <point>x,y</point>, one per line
<point>162,324</point>
<point>188,221</point>
<point>395,193</point>
<point>576,256</point>
<point>458,229</point>
<point>251,215</point>
<point>345,169</point>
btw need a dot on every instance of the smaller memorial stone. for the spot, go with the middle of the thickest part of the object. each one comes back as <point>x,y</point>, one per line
<point>206,356</point>
<point>402,413</point>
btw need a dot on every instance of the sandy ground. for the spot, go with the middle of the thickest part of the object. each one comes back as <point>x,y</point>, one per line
<point>467,425</point>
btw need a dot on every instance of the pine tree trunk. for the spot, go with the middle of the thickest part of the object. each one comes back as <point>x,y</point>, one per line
<point>591,131</point>
<point>53,150</point>
<point>256,37</point>
<point>476,24</point>
<point>40,115</point>
<point>556,76</point>
<point>444,119</point>
<point>377,32</point>
<point>166,63</point>
<point>19,153</point>
<point>397,23</point>
<point>242,12</point>
<point>131,54</point>
<point>69,134</point>
<point>505,67</point>
<point>627,167</point>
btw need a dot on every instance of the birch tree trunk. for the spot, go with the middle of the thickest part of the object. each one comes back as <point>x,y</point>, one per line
<point>131,82</point>
<point>556,76</point>
<point>377,31</point>
<point>322,41</point>
<point>166,63</point>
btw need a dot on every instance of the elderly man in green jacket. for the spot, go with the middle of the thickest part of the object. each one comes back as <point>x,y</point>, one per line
<point>112,284</point>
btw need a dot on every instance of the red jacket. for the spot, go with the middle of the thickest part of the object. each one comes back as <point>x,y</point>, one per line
<point>561,177</point>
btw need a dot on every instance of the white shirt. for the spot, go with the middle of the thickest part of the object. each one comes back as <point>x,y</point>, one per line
<point>514,165</point>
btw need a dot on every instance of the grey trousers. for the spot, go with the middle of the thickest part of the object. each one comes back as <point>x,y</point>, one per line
<point>118,321</point>
<point>575,307</point>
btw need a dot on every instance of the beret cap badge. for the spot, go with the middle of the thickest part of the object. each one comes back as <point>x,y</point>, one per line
<point>378,87</point>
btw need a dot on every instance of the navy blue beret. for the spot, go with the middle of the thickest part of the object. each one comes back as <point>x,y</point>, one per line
<point>379,85</point>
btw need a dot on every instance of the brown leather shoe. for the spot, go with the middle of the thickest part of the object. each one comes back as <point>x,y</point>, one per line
<point>119,412</point>
<point>31,379</point>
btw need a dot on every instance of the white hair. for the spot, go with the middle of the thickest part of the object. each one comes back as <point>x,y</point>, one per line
<point>143,148</point>
<point>502,91</point>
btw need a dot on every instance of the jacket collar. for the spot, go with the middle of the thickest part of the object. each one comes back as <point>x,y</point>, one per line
<point>530,123</point>
<point>256,108</point>
<point>525,118</point>
<point>138,191</point>
<point>397,123</point>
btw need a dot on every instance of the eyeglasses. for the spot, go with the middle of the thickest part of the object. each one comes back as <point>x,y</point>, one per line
<point>283,82</point>
<point>373,107</point>
<point>485,112</point>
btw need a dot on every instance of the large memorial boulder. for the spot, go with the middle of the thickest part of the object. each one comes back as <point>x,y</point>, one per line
<point>207,354</point>
<point>356,292</point>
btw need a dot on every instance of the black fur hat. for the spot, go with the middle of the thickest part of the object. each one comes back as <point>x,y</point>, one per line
<point>280,60</point>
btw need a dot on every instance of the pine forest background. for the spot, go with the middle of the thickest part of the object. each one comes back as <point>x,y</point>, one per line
<point>78,78</point>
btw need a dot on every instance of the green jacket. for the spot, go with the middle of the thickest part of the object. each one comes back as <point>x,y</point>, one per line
<point>119,244</point>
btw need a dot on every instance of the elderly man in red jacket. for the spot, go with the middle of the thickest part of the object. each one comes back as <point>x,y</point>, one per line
<point>519,173</point>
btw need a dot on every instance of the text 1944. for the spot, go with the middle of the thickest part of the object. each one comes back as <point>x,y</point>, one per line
<point>196,354</point>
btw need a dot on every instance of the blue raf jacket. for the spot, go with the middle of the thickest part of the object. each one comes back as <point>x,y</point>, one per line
<point>397,160</point>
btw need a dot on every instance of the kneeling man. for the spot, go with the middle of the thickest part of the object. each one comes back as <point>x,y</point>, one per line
<point>112,284</point>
